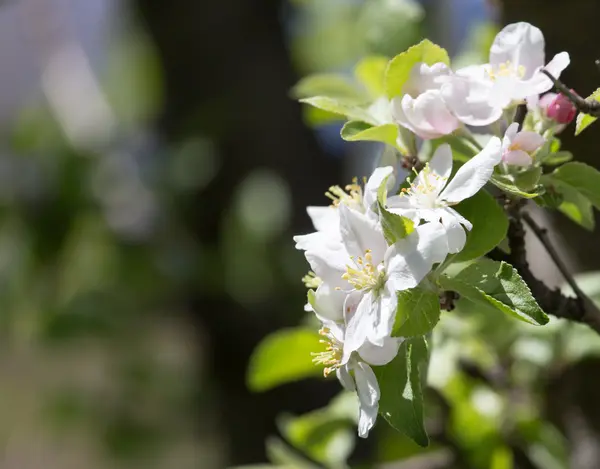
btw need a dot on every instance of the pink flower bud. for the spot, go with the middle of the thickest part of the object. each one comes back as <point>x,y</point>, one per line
<point>559,108</point>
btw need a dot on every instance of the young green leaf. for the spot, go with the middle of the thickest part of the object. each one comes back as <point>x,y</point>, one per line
<point>370,72</point>
<point>581,178</point>
<point>558,158</point>
<point>401,402</point>
<point>577,207</point>
<point>507,185</point>
<point>282,357</point>
<point>399,68</point>
<point>344,108</point>
<point>394,226</point>
<point>354,131</point>
<point>490,225</point>
<point>585,120</point>
<point>418,312</point>
<point>329,85</point>
<point>497,284</point>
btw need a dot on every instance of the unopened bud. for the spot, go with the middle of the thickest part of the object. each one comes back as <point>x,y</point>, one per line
<point>558,108</point>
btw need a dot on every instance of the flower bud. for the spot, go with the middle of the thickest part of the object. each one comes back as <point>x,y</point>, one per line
<point>558,108</point>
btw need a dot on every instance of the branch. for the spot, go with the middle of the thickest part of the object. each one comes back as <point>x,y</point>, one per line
<point>580,309</point>
<point>590,107</point>
<point>520,115</point>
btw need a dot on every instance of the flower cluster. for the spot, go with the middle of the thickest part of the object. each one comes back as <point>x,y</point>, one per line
<point>357,266</point>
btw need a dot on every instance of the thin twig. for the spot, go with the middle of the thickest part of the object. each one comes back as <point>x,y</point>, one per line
<point>542,235</point>
<point>520,115</point>
<point>590,107</point>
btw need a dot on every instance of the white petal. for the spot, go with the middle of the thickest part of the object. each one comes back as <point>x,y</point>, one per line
<point>412,115</point>
<point>380,355</point>
<point>372,186</point>
<point>324,218</point>
<point>474,174</point>
<point>409,260</point>
<point>558,63</point>
<point>358,326</point>
<point>521,44</point>
<point>470,101</point>
<point>360,233</point>
<point>328,265</point>
<point>435,113</point>
<point>441,166</point>
<point>507,89</point>
<point>383,322</point>
<point>456,236</point>
<point>343,375</point>
<point>329,301</point>
<point>539,83</point>
<point>368,395</point>
<point>448,215</point>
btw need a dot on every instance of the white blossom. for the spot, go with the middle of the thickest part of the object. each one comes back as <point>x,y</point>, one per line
<point>431,197</point>
<point>517,147</point>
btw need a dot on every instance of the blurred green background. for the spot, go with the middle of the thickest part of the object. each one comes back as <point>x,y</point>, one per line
<point>153,169</point>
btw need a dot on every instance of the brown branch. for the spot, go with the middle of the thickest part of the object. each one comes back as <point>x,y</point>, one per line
<point>520,115</point>
<point>590,107</point>
<point>579,309</point>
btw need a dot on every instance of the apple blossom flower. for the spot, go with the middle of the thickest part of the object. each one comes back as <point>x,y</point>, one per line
<point>354,371</point>
<point>422,109</point>
<point>430,196</point>
<point>517,147</point>
<point>514,72</point>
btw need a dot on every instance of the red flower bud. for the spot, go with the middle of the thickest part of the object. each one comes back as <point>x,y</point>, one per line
<point>560,109</point>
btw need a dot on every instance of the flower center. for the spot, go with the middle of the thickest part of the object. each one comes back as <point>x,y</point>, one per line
<point>311,280</point>
<point>506,69</point>
<point>332,356</point>
<point>351,195</point>
<point>423,191</point>
<point>365,276</point>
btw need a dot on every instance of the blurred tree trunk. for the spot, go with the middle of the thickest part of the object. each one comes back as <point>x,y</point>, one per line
<point>573,26</point>
<point>227,76</point>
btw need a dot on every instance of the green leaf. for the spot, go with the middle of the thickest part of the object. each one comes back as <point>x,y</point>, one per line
<point>329,85</point>
<point>394,226</point>
<point>528,180</point>
<point>490,225</point>
<point>401,402</point>
<point>560,157</point>
<point>314,116</point>
<point>354,131</point>
<point>282,455</point>
<point>418,312</point>
<point>344,108</point>
<point>507,185</point>
<point>283,357</point>
<point>498,284</point>
<point>577,207</point>
<point>585,120</point>
<point>580,177</point>
<point>462,150</point>
<point>370,71</point>
<point>399,68</point>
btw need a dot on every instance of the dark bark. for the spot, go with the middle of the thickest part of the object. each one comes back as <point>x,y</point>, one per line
<point>227,74</point>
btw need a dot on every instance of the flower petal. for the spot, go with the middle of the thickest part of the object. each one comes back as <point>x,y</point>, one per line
<point>329,301</point>
<point>358,324</point>
<point>469,100</point>
<point>456,235</point>
<point>385,315</point>
<point>368,395</point>
<point>360,233</point>
<point>441,167</point>
<point>521,44</point>
<point>372,186</point>
<point>474,174</point>
<point>343,375</point>
<point>380,355</point>
<point>528,141</point>
<point>510,134</point>
<point>324,218</point>
<point>517,158</point>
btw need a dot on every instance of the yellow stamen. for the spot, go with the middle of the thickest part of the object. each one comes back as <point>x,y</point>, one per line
<point>311,280</point>
<point>332,356</point>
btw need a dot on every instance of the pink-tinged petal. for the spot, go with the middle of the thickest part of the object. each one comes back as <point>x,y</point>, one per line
<point>517,158</point>
<point>510,134</point>
<point>436,113</point>
<point>528,141</point>
<point>474,174</point>
<point>380,355</point>
<point>469,101</point>
<point>521,44</point>
<point>398,113</point>
<point>414,112</point>
<point>368,395</point>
